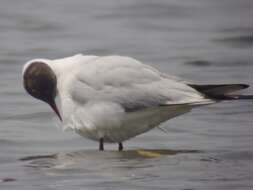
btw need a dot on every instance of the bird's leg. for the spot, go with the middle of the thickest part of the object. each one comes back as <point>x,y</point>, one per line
<point>120,146</point>
<point>101,144</point>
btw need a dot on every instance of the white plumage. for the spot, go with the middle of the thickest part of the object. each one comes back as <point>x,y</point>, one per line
<point>117,98</point>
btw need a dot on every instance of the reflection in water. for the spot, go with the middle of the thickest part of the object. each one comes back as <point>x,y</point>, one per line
<point>87,158</point>
<point>138,167</point>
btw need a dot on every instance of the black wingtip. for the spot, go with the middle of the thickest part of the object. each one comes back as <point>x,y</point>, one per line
<point>244,86</point>
<point>222,91</point>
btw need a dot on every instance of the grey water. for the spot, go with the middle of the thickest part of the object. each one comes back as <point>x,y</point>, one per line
<point>204,41</point>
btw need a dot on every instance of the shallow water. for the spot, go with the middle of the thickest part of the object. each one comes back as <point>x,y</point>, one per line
<point>204,41</point>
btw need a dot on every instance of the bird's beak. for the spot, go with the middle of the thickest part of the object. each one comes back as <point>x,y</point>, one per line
<point>54,107</point>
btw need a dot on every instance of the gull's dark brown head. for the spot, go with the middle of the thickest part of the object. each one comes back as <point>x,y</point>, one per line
<point>40,81</point>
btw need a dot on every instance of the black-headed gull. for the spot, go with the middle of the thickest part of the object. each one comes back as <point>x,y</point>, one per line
<point>114,98</point>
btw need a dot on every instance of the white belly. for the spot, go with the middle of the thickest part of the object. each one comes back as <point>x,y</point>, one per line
<point>110,122</point>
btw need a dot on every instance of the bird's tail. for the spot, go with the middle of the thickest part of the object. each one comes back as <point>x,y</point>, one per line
<point>222,91</point>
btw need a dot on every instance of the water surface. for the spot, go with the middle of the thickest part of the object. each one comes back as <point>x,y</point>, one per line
<point>199,40</point>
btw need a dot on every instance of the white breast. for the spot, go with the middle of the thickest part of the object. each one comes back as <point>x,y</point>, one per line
<point>107,120</point>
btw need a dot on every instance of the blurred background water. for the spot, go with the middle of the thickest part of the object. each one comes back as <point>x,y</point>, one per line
<point>207,41</point>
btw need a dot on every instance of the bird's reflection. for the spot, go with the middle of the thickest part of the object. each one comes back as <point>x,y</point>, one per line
<point>91,157</point>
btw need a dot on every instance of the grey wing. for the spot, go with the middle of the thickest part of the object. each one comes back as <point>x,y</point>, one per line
<point>131,84</point>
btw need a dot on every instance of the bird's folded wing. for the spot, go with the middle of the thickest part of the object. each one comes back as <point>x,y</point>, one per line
<point>129,83</point>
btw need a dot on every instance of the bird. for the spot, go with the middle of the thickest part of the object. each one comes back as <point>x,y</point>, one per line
<point>111,99</point>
